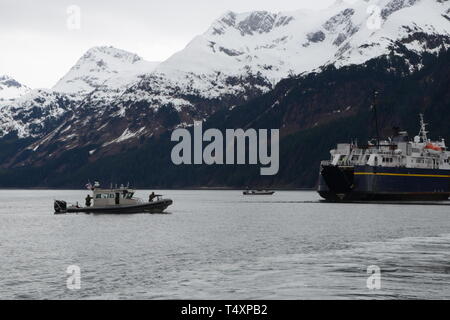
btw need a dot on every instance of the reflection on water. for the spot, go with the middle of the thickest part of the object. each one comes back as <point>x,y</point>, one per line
<point>220,244</point>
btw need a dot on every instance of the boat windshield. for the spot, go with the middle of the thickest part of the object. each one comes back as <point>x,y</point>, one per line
<point>129,195</point>
<point>104,195</point>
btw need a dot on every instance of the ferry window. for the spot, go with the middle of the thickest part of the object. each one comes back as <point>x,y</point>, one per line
<point>98,196</point>
<point>111,195</point>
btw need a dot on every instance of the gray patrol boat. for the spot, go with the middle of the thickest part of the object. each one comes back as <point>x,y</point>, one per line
<point>115,201</point>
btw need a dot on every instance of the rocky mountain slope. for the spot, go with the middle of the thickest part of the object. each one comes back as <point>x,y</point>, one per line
<point>313,111</point>
<point>35,112</point>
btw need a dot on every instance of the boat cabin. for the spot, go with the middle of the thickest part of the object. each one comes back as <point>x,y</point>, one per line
<point>114,197</point>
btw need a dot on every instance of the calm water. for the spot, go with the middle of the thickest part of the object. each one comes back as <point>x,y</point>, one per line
<point>222,245</point>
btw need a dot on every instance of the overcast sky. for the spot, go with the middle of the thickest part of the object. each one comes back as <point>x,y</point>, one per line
<point>38,47</point>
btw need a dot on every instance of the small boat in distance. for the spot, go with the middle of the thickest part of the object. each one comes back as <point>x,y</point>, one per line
<point>258,193</point>
<point>115,201</point>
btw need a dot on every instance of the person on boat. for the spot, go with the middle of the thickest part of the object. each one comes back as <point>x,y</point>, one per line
<point>88,200</point>
<point>151,197</point>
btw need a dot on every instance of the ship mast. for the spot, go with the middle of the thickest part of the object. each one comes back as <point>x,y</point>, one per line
<point>423,129</point>
<point>374,106</point>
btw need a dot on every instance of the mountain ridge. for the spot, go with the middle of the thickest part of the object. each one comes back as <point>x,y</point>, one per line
<point>103,66</point>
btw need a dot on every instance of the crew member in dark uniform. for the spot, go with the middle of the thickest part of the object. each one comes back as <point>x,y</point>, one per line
<point>88,200</point>
<point>151,197</point>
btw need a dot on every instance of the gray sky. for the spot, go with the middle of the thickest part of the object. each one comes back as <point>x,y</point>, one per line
<point>37,47</point>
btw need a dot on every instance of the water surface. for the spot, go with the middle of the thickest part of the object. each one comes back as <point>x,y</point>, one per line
<point>222,245</point>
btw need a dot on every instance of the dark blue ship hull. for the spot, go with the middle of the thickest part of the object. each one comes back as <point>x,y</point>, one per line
<point>368,183</point>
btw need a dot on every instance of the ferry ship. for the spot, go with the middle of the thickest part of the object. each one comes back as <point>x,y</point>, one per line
<point>396,169</point>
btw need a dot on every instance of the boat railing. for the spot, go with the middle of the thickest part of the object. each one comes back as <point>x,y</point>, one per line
<point>74,204</point>
<point>139,200</point>
<point>158,197</point>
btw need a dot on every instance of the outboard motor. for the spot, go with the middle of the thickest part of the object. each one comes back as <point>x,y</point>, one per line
<point>60,206</point>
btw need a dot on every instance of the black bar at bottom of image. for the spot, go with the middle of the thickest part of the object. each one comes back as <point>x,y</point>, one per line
<point>225,309</point>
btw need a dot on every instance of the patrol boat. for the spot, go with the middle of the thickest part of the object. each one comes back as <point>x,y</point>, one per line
<point>396,169</point>
<point>258,193</point>
<point>114,200</point>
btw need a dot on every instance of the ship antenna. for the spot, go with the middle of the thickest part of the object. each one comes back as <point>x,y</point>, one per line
<point>423,129</point>
<point>375,96</point>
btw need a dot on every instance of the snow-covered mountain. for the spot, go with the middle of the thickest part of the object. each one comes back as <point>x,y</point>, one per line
<point>272,46</point>
<point>11,89</point>
<point>99,76</point>
<point>103,67</point>
<point>122,99</point>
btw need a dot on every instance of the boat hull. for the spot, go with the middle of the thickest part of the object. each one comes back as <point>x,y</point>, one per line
<point>150,207</point>
<point>368,183</point>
